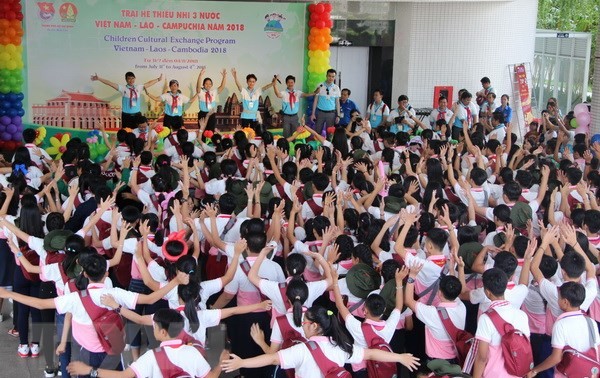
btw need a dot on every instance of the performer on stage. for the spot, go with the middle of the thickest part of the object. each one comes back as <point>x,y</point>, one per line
<point>207,97</point>
<point>131,97</point>
<point>250,97</point>
<point>174,105</point>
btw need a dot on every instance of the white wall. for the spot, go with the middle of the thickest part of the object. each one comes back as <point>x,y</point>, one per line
<point>352,65</point>
<point>458,43</point>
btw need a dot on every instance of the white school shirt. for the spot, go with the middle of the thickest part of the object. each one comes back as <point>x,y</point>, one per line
<point>550,293</point>
<point>438,343</point>
<point>232,236</point>
<point>276,336</point>
<point>150,134</point>
<point>271,290</point>
<point>191,137</point>
<point>206,319</point>
<point>378,113</point>
<point>207,288</point>
<point>435,115</point>
<point>486,332</point>
<point>299,358</point>
<point>83,329</point>
<point>383,328</point>
<point>427,276</point>
<point>572,329</point>
<point>247,293</point>
<point>514,294</point>
<point>37,160</point>
<point>187,357</point>
<point>306,211</point>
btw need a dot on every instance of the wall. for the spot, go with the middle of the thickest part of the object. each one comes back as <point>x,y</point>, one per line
<point>458,43</point>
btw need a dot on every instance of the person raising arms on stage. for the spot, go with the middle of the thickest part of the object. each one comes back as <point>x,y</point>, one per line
<point>207,97</point>
<point>131,99</point>
<point>174,102</point>
<point>290,105</point>
<point>250,97</point>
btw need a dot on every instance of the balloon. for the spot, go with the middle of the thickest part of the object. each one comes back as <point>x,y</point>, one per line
<point>583,119</point>
<point>573,123</point>
<point>595,139</point>
<point>20,96</point>
<point>320,24</point>
<point>580,108</point>
<point>20,112</point>
<point>11,65</point>
<point>582,130</point>
<point>5,136</point>
<point>318,54</point>
<point>2,128</point>
<point>325,16</point>
<point>311,8</point>
<point>330,129</point>
<point>311,46</point>
<point>5,120</point>
<point>319,8</point>
<point>315,17</point>
<point>11,129</point>
<point>328,7</point>
<point>17,137</point>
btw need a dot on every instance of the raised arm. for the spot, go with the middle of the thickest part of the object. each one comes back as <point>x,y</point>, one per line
<point>253,273</point>
<point>235,79</point>
<point>223,81</point>
<point>95,77</point>
<point>339,301</point>
<point>153,81</point>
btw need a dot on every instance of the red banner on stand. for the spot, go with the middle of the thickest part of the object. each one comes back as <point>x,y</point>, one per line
<point>524,95</point>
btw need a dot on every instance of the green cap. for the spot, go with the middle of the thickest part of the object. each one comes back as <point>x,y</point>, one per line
<point>520,214</point>
<point>444,368</point>
<point>394,204</point>
<point>468,252</point>
<point>266,193</point>
<point>55,240</point>
<point>362,279</point>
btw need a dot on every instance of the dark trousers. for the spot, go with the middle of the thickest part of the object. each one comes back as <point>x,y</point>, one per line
<point>64,358</point>
<point>48,290</point>
<point>542,349</point>
<point>24,286</point>
<point>99,360</point>
<point>238,331</point>
<point>134,334</point>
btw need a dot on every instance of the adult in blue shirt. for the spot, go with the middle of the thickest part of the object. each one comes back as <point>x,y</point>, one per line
<point>326,106</point>
<point>505,109</point>
<point>131,97</point>
<point>347,106</point>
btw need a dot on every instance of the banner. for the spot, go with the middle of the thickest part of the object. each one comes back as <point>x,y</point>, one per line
<point>67,42</point>
<point>524,95</point>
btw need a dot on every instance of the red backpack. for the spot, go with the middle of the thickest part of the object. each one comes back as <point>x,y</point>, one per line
<point>107,323</point>
<point>34,259</point>
<point>290,338</point>
<point>316,209</point>
<point>167,368</point>
<point>581,364</point>
<point>461,339</point>
<point>377,369</point>
<point>329,368</point>
<point>187,339</point>
<point>516,348</point>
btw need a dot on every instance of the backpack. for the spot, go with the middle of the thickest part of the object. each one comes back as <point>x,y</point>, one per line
<point>316,209</point>
<point>107,323</point>
<point>34,259</point>
<point>283,291</point>
<point>329,368</point>
<point>167,368</point>
<point>68,282</point>
<point>516,348</point>
<point>581,364</point>
<point>376,369</point>
<point>461,339</point>
<point>290,338</point>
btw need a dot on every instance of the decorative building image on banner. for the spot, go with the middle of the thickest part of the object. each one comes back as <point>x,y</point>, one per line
<point>68,42</point>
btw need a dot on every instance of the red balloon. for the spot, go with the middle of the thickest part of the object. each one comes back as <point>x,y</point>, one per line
<point>328,7</point>
<point>20,16</point>
<point>329,24</point>
<point>326,16</point>
<point>6,7</point>
<point>320,8</point>
<point>311,8</point>
<point>320,24</point>
<point>312,24</point>
<point>10,15</point>
<point>315,17</point>
<point>331,130</point>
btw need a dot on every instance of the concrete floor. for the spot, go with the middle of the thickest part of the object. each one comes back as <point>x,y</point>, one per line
<point>11,365</point>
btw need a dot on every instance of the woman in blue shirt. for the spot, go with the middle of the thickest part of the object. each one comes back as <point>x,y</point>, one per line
<point>505,109</point>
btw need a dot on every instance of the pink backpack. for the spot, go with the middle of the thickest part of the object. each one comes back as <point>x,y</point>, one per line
<point>581,364</point>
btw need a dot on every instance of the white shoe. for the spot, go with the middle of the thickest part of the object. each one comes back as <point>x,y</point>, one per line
<point>127,348</point>
<point>35,350</point>
<point>49,373</point>
<point>23,350</point>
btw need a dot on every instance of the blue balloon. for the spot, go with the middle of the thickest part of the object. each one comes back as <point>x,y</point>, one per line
<point>596,138</point>
<point>2,112</point>
<point>12,96</point>
<point>20,96</point>
<point>2,96</point>
<point>11,112</point>
<point>17,121</point>
<point>20,112</point>
<point>5,105</point>
<point>17,104</point>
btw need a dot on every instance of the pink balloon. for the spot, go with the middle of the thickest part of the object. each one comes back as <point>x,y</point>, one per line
<point>580,108</point>
<point>582,130</point>
<point>583,119</point>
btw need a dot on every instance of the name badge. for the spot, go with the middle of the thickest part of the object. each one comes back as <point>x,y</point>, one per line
<point>175,110</point>
<point>133,103</point>
<point>250,104</point>
<point>327,97</point>
<point>209,106</point>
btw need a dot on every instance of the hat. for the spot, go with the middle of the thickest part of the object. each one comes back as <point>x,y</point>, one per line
<point>388,293</point>
<point>394,204</point>
<point>416,140</point>
<point>499,239</point>
<point>362,279</point>
<point>468,252</point>
<point>520,214</point>
<point>442,367</point>
<point>266,193</point>
<point>55,240</point>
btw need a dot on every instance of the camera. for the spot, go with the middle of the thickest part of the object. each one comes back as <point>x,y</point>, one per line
<point>398,120</point>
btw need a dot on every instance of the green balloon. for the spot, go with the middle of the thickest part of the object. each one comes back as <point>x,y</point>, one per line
<point>93,153</point>
<point>4,88</point>
<point>573,123</point>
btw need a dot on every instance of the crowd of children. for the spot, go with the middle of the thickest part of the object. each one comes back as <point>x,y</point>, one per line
<point>394,247</point>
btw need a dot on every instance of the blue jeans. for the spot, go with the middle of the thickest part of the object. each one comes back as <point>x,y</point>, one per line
<point>64,358</point>
<point>542,348</point>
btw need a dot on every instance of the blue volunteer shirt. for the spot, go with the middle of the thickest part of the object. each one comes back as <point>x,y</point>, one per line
<point>207,100</point>
<point>346,108</point>
<point>328,93</point>
<point>250,103</point>
<point>131,98</point>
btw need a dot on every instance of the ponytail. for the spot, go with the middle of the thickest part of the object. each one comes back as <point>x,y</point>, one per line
<point>330,327</point>
<point>297,294</point>
<point>295,264</point>
<point>189,294</point>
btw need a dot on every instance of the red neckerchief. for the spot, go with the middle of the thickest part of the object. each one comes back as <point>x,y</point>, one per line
<point>207,97</point>
<point>441,114</point>
<point>174,101</point>
<point>132,94</point>
<point>292,99</point>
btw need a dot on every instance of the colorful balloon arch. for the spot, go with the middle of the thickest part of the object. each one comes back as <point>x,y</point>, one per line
<point>11,75</point>
<point>319,38</point>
